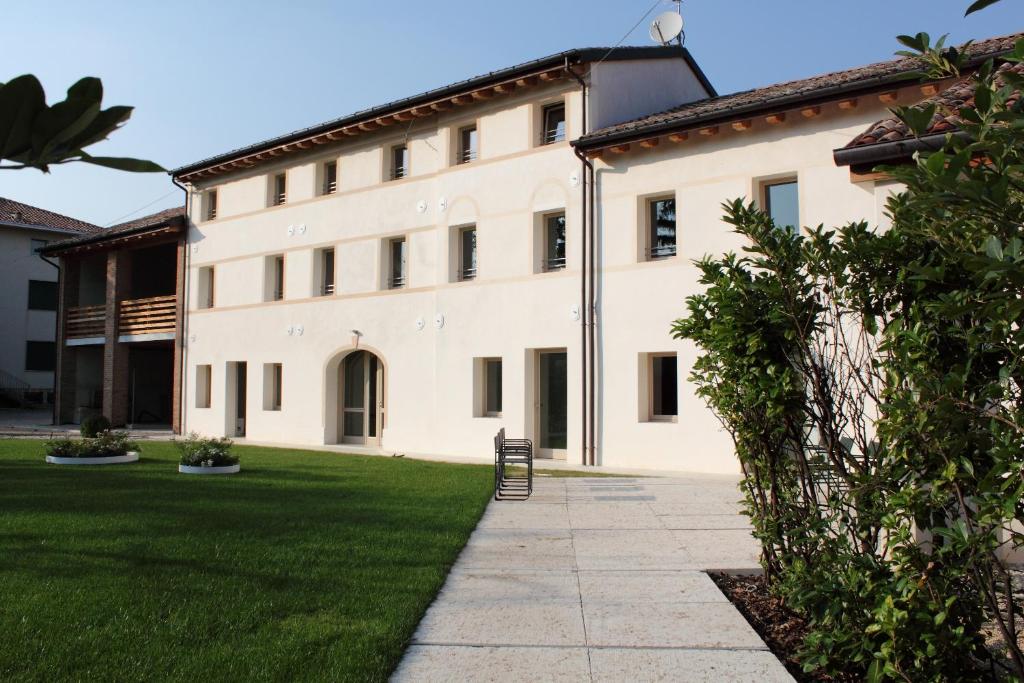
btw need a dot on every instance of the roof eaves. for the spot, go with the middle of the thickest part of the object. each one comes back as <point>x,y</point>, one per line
<point>110,234</point>
<point>40,228</point>
<point>890,151</point>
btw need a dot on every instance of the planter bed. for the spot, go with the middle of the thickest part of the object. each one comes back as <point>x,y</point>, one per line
<point>199,469</point>
<point>130,456</point>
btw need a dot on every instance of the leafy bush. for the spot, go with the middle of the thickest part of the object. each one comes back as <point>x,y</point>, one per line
<point>94,425</point>
<point>197,451</point>
<point>873,385</point>
<point>106,445</point>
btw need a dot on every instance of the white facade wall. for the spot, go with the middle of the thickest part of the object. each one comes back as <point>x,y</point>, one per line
<point>509,310</point>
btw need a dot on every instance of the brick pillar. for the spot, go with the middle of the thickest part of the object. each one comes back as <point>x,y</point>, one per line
<point>116,378</point>
<point>65,377</point>
<point>179,336</point>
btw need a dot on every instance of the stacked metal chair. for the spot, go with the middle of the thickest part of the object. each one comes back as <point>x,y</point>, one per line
<point>508,484</point>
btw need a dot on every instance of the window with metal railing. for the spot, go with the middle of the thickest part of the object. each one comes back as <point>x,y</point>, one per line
<point>397,261</point>
<point>211,204</point>
<point>399,162</point>
<point>279,190</point>
<point>553,120</point>
<point>554,242</point>
<point>467,253</point>
<point>661,227</point>
<point>326,275</point>
<point>330,177</point>
<point>274,278</point>
<point>467,145</point>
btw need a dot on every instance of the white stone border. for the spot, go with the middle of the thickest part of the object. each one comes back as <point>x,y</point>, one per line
<point>222,469</point>
<point>130,456</point>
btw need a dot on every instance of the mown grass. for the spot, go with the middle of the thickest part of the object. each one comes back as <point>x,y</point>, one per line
<point>305,566</point>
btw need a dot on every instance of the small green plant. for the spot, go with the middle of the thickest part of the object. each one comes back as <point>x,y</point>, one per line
<point>198,451</point>
<point>106,445</point>
<point>63,447</point>
<point>94,425</point>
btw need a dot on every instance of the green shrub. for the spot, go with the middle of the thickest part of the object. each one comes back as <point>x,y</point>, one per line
<point>63,447</point>
<point>94,425</point>
<point>106,445</point>
<point>197,451</point>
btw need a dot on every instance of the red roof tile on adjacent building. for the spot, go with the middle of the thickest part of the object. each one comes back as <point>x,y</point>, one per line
<point>17,213</point>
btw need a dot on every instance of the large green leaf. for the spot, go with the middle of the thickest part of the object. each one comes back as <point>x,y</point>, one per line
<point>124,163</point>
<point>21,100</point>
<point>979,5</point>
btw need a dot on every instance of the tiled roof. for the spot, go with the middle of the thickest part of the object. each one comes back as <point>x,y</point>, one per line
<point>946,118</point>
<point>16,213</point>
<point>782,95</point>
<point>173,216</point>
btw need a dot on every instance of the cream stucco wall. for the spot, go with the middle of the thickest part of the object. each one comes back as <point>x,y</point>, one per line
<point>509,310</point>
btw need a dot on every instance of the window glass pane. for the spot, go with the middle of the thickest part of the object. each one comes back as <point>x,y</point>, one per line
<point>277,387</point>
<point>664,386</point>
<point>371,405</point>
<point>493,386</point>
<point>397,263</point>
<point>468,253</point>
<point>783,205</point>
<point>40,356</point>
<point>554,242</point>
<point>279,189</point>
<point>330,177</point>
<point>278,278</point>
<point>663,227</point>
<point>554,123</point>
<point>467,144</point>
<point>400,162</point>
<point>354,382</point>
<point>328,272</point>
<point>42,296</point>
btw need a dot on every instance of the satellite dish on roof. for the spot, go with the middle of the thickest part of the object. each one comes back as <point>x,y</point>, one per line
<point>666,27</point>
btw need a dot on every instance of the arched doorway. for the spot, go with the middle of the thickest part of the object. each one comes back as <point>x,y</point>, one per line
<point>360,398</point>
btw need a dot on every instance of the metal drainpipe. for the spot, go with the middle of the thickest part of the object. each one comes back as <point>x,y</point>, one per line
<point>583,268</point>
<point>182,383</point>
<point>56,330</point>
<point>592,358</point>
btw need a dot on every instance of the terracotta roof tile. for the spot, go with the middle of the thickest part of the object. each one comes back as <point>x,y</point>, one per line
<point>171,216</point>
<point>790,93</point>
<point>17,213</point>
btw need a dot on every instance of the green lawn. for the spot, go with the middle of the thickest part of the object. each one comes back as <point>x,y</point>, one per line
<point>304,566</point>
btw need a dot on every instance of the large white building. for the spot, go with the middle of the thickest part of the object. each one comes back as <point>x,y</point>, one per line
<point>412,277</point>
<point>28,307</point>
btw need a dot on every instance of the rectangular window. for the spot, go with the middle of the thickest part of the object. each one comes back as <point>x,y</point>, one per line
<point>325,264</point>
<point>330,172</point>
<point>272,386</point>
<point>42,296</point>
<point>206,287</point>
<point>661,227</point>
<point>467,144</point>
<point>40,356</point>
<point>467,253</point>
<point>397,263</point>
<point>492,387</point>
<point>210,201</point>
<point>554,242</point>
<point>399,162</point>
<point>279,189</point>
<point>274,278</point>
<point>781,202</point>
<point>37,245</point>
<point>553,117</point>
<point>203,385</point>
<point>664,387</point>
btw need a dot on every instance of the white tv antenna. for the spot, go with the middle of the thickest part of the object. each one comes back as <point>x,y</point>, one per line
<point>667,27</point>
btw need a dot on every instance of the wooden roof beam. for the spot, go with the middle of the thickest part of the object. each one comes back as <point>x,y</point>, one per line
<point>404,116</point>
<point>483,94</point>
<point>526,81</point>
<point>847,105</point>
<point>650,143</point>
<point>549,76</point>
<point>440,106</point>
<point>678,137</point>
<point>384,121</point>
<point>709,131</point>
<point>619,149</point>
<point>460,100</point>
<point>810,112</point>
<point>774,119</point>
<point>369,126</point>
<point>929,89</point>
<point>505,88</point>
<point>746,124</point>
<point>888,97</point>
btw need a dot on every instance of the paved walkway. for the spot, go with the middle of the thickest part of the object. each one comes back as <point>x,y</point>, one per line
<point>597,579</point>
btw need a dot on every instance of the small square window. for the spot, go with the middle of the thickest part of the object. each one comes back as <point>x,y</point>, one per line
<point>396,263</point>
<point>279,189</point>
<point>467,145</point>
<point>272,375</point>
<point>661,227</point>
<point>330,177</point>
<point>554,242</point>
<point>664,387</point>
<point>38,245</point>
<point>399,162</point>
<point>782,203</point>
<point>206,287</point>
<point>210,202</point>
<point>203,386</point>
<point>42,295</point>
<point>553,123</point>
<point>40,356</point>
<point>467,253</point>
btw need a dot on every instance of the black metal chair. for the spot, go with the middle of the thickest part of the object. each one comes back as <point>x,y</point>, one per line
<point>518,453</point>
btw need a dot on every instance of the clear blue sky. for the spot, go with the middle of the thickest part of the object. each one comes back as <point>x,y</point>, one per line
<point>206,77</point>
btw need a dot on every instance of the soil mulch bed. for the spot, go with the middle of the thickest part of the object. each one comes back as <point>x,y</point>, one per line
<point>780,628</point>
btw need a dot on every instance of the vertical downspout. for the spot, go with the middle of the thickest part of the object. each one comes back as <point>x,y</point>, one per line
<point>56,330</point>
<point>583,270</point>
<point>592,358</point>
<point>182,385</point>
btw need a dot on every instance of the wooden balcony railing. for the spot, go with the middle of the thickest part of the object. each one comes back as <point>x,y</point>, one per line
<point>86,321</point>
<point>155,315</point>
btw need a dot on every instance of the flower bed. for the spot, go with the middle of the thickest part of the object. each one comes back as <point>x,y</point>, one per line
<point>109,448</point>
<point>206,456</point>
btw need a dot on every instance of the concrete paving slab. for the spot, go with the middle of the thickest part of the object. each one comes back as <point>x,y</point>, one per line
<point>534,515</point>
<point>613,665</point>
<point>496,585</point>
<point>629,549</point>
<point>720,548</point>
<point>648,587</point>
<point>501,623</point>
<point>696,507</point>
<point>612,515</point>
<point>676,624</point>
<point>705,522</point>
<point>443,664</point>
<point>513,549</point>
